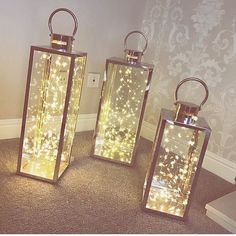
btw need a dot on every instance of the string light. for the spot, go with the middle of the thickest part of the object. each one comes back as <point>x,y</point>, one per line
<point>175,170</point>
<point>48,88</point>
<point>120,112</point>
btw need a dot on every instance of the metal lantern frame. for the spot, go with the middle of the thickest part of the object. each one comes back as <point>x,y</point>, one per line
<point>176,120</point>
<point>60,47</point>
<point>133,60</point>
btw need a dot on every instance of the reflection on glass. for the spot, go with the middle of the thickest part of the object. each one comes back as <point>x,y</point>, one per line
<point>76,90</point>
<point>119,117</point>
<point>175,169</point>
<point>46,104</point>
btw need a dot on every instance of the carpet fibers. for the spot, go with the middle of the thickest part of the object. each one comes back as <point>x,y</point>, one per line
<point>94,196</point>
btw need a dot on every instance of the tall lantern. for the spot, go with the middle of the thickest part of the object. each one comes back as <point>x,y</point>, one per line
<point>124,93</point>
<point>178,152</point>
<point>53,90</point>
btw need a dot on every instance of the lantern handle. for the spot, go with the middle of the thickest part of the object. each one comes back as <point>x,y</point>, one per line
<point>197,80</point>
<point>66,10</point>
<point>138,32</point>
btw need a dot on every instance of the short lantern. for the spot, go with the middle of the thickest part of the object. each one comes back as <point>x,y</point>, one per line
<point>178,151</point>
<point>124,93</point>
<point>53,91</point>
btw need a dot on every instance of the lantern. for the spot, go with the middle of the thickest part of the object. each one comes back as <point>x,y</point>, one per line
<point>178,152</point>
<point>53,90</point>
<point>124,93</point>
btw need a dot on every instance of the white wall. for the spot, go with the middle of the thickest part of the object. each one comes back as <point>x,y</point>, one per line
<point>103,24</point>
<point>195,38</point>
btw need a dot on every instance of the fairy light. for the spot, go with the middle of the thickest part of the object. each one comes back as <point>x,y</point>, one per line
<point>45,112</point>
<point>173,176</point>
<point>120,111</point>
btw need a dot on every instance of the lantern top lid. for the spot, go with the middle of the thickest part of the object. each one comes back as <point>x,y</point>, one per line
<point>117,60</point>
<point>169,115</point>
<point>134,56</point>
<point>48,49</point>
<point>59,41</point>
<point>187,112</point>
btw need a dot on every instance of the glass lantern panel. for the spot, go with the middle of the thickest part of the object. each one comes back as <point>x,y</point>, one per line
<point>73,109</point>
<point>175,169</point>
<point>123,95</point>
<point>47,93</point>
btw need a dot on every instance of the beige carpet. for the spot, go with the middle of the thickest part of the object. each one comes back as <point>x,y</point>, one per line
<point>94,196</point>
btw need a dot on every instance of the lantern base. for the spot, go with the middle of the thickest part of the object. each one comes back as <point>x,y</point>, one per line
<point>41,168</point>
<point>167,202</point>
<point>32,176</point>
<point>148,210</point>
<point>113,160</point>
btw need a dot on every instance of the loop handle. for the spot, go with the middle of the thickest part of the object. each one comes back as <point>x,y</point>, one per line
<point>197,80</point>
<point>138,32</point>
<point>68,11</point>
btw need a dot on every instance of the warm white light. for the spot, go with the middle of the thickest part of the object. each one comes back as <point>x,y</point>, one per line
<point>45,110</point>
<point>119,117</point>
<point>175,168</point>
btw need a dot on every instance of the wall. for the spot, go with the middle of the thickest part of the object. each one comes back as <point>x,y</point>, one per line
<point>195,38</point>
<point>103,24</point>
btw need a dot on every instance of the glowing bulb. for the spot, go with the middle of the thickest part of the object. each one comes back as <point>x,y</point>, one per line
<point>191,143</point>
<point>64,64</point>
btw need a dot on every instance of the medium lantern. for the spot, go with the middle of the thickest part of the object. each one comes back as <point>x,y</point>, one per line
<point>53,91</point>
<point>177,156</point>
<point>124,93</point>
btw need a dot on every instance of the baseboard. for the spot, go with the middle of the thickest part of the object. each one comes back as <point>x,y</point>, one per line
<point>148,131</point>
<point>212,162</point>
<point>86,122</point>
<point>11,128</point>
<point>219,166</point>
